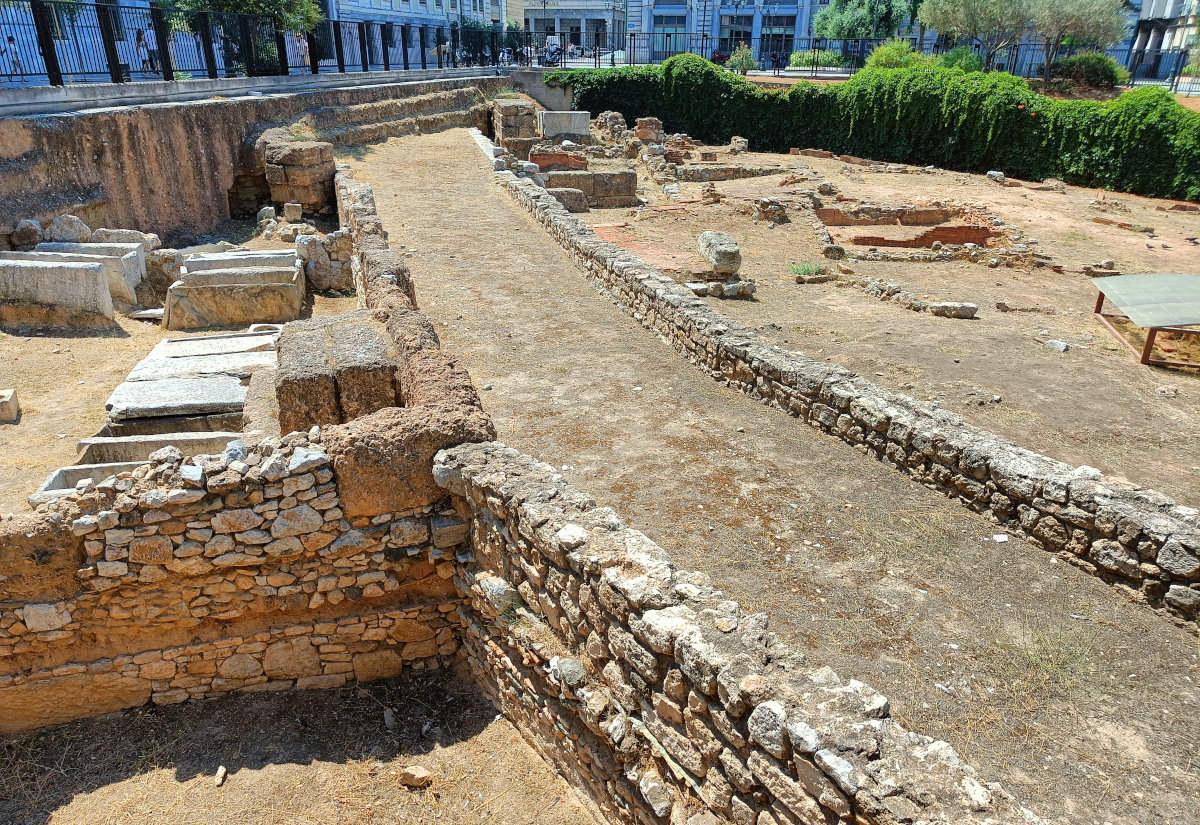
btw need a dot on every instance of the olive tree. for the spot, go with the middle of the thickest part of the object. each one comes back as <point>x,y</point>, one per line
<point>993,24</point>
<point>1097,23</point>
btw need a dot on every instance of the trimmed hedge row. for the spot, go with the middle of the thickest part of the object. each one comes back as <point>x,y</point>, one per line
<point>1142,142</point>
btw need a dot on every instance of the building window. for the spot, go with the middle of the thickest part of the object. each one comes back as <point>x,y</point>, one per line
<point>735,30</point>
<point>777,36</point>
<point>670,36</point>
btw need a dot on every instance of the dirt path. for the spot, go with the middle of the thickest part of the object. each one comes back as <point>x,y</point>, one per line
<point>1044,677</point>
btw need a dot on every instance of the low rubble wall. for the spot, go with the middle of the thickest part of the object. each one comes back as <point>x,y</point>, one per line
<point>659,697</point>
<point>1135,538</point>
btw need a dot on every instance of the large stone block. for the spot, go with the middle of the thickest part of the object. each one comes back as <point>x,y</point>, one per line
<point>304,383</point>
<point>383,461</point>
<point>379,664</point>
<point>285,256</point>
<point>569,124</point>
<point>122,271</point>
<point>75,290</point>
<point>234,298</point>
<point>364,368</point>
<point>116,250</point>
<point>291,659</point>
<point>574,199</point>
<point>583,181</point>
<point>54,701</point>
<point>176,396</point>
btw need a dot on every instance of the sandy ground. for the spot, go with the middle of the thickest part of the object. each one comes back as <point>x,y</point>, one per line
<point>1085,705</point>
<point>1094,404</point>
<point>308,758</point>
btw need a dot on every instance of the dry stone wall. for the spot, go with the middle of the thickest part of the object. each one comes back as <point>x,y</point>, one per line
<point>1135,538</point>
<point>660,697</point>
<point>222,573</point>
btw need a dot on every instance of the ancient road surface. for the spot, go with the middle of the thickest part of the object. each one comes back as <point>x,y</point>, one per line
<point>1083,704</point>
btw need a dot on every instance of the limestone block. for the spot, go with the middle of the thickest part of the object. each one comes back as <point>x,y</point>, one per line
<point>79,288</point>
<point>379,664</point>
<point>10,408</point>
<point>122,271</point>
<point>574,199</point>
<point>57,700</point>
<point>282,257</point>
<point>552,158</point>
<point>611,184</point>
<point>42,617</point>
<point>721,250</point>
<point>291,659</point>
<point>583,181</point>
<point>300,153</point>
<point>364,369</point>
<point>175,396</point>
<point>116,250</point>
<point>68,229</point>
<point>305,389</point>
<point>235,298</point>
<point>293,212</point>
<point>572,124</point>
<point>147,239</point>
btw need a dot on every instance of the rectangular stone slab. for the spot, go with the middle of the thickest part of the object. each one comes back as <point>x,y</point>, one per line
<point>551,124</point>
<point>215,344</point>
<point>241,257</point>
<point>80,287</point>
<point>232,305</point>
<point>122,271</point>
<point>240,275</point>
<point>112,250</point>
<point>108,449</point>
<point>176,396</point>
<point>238,364</point>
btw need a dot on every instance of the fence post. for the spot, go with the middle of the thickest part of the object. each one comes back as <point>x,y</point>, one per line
<point>494,42</point>
<point>406,40</point>
<point>314,57</point>
<point>454,45</point>
<point>206,43</point>
<point>421,32</point>
<point>162,38</point>
<point>109,40</point>
<point>281,49</point>
<point>247,44</point>
<point>45,40</point>
<point>335,27</point>
<point>385,40</point>
<point>362,46</point>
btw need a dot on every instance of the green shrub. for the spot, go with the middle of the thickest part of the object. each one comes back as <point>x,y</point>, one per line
<point>742,60</point>
<point>816,57</point>
<point>1090,69</point>
<point>962,57</point>
<point>1142,142</point>
<point>895,54</point>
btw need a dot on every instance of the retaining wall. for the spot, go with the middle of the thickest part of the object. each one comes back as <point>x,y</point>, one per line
<point>1136,538</point>
<point>167,167</point>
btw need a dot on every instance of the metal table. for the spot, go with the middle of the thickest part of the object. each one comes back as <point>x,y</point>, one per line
<point>1158,302</point>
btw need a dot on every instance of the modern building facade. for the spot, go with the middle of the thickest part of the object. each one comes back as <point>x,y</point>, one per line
<point>784,26</point>
<point>419,12</point>
<point>584,23</point>
<point>1167,24</point>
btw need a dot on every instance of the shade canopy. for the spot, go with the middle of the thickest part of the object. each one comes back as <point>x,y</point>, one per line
<point>1156,300</point>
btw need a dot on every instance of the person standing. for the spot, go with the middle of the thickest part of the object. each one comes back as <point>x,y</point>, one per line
<point>302,49</point>
<point>9,50</point>
<point>143,50</point>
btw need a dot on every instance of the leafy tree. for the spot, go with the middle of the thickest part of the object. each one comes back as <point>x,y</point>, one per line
<point>849,19</point>
<point>1088,22</point>
<point>895,54</point>
<point>301,15</point>
<point>742,60</point>
<point>994,24</point>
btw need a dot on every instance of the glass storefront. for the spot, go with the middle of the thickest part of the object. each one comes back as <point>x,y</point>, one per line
<point>735,30</point>
<point>777,38</point>
<point>670,36</point>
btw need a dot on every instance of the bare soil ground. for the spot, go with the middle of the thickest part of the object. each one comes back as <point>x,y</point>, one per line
<point>308,758</point>
<point>1094,404</point>
<point>1082,703</point>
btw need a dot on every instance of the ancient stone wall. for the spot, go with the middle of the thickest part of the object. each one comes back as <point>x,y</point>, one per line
<point>658,696</point>
<point>1136,538</point>
<point>165,168</point>
<point>220,573</point>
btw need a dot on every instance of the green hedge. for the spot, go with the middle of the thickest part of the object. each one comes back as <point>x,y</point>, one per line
<point>1142,142</point>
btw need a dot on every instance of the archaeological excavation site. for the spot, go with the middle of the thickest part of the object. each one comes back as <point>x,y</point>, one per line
<point>457,450</point>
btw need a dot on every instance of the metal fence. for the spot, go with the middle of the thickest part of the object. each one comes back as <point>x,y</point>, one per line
<point>61,42</point>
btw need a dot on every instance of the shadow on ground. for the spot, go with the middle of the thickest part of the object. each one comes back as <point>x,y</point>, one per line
<point>41,772</point>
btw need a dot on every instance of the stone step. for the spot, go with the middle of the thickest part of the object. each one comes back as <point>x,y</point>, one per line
<point>240,275</point>
<point>109,449</point>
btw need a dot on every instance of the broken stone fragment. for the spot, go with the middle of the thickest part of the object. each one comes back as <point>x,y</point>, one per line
<point>721,250</point>
<point>415,776</point>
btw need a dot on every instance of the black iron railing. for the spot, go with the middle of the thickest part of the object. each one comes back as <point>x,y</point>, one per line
<point>61,42</point>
